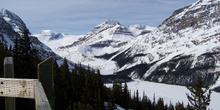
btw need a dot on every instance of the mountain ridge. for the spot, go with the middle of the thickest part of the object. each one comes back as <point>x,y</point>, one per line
<point>184,46</point>
<point>198,42</point>
<point>175,52</point>
<point>188,38</point>
<point>104,39</point>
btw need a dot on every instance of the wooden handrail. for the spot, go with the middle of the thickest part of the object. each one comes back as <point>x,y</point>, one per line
<point>25,88</point>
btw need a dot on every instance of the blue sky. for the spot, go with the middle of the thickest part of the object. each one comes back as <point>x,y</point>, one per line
<point>81,16</point>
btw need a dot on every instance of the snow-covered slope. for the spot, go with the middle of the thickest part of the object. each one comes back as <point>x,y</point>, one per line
<point>13,20</point>
<point>94,48</point>
<point>9,26</point>
<point>185,45</point>
<point>54,40</point>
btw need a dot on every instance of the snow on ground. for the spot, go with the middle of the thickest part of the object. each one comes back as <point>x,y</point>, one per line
<point>170,93</point>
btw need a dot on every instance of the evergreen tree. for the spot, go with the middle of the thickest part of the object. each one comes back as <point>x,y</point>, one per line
<point>111,101</point>
<point>4,52</point>
<point>154,102</point>
<point>100,91</point>
<point>25,57</point>
<point>137,101</point>
<point>66,83</point>
<point>15,49</point>
<point>81,80</point>
<point>65,68</point>
<point>171,107</point>
<point>99,83</point>
<point>198,99</point>
<point>77,84</point>
<point>117,91</point>
<point>146,103</point>
<point>179,106</point>
<point>98,101</point>
<point>58,88</point>
<point>126,96</point>
<point>87,97</point>
<point>160,104</point>
<point>2,56</point>
<point>189,107</point>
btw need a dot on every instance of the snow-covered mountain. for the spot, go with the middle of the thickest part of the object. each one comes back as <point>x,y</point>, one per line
<point>12,26</point>
<point>94,48</point>
<point>185,45</point>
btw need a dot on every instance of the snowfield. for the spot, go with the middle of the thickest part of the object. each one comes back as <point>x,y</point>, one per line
<point>170,93</point>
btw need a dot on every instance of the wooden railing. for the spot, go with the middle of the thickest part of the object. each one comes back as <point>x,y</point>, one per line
<point>25,88</point>
<point>12,88</point>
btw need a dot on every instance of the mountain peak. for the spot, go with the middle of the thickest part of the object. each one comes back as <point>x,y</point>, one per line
<point>4,12</point>
<point>105,25</point>
<point>111,22</point>
<point>49,35</point>
<point>14,20</point>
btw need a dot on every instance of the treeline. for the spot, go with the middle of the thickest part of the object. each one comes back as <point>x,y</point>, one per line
<point>25,58</point>
<point>79,89</point>
<point>25,65</point>
<point>84,90</point>
<point>123,97</point>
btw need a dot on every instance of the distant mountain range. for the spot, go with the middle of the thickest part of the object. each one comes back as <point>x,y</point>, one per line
<point>185,45</point>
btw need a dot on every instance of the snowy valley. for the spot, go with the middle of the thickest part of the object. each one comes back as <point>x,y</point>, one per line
<point>185,45</point>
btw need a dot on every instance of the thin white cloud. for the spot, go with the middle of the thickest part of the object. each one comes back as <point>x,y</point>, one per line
<point>75,16</point>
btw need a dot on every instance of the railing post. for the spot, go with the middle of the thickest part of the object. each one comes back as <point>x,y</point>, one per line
<point>45,76</point>
<point>9,73</point>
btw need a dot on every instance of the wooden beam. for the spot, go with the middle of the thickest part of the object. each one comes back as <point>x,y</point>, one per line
<point>25,88</point>
<point>41,100</point>
<point>9,73</point>
<point>45,76</point>
<point>20,88</point>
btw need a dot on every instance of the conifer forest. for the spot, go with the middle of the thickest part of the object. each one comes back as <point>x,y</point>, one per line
<point>83,88</point>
